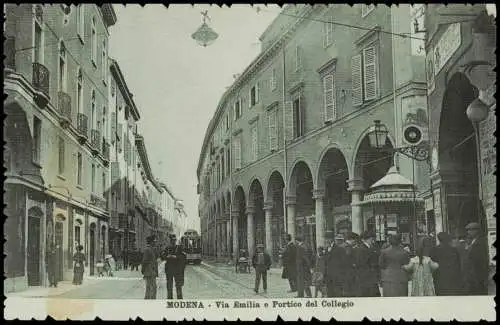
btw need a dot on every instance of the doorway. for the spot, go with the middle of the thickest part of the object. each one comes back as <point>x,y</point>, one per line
<point>91,248</point>
<point>34,222</point>
<point>58,238</point>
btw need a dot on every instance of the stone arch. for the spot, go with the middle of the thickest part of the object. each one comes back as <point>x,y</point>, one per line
<point>275,202</point>
<point>253,181</point>
<point>239,208</point>
<point>292,176</point>
<point>323,159</point>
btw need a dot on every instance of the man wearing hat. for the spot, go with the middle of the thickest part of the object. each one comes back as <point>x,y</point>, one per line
<point>350,245</point>
<point>304,264</point>
<point>476,262</point>
<point>367,273</point>
<point>149,268</point>
<point>335,268</point>
<point>261,262</point>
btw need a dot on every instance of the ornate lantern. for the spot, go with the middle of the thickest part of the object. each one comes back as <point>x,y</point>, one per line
<point>204,35</point>
<point>378,135</point>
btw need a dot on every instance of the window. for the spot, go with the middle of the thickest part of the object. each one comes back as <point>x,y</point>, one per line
<point>298,118</point>
<point>93,42</point>
<point>298,58</point>
<point>237,153</point>
<point>80,10</point>
<point>104,62</point>
<point>79,91</point>
<point>329,97</point>
<point>255,142</point>
<point>254,95</point>
<point>273,130</point>
<point>79,169</point>
<point>228,164</point>
<point>237,109</point>
<point>104,124</point>
<point>328,32</point>
<point>104,184</point>
<point>366,9</point>
<point>92,184</point>
<point>77,235</point>
<point>223,167</point>
<point>61,156</point>
<point>62,67</point>
<point>364,76</point>
<point>38,46</point>
<point>274,79</point>
<point>227,121</point>
<point>37,139</point>
<point>92,112</point>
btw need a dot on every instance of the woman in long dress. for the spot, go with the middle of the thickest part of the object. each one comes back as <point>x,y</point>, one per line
<point>78,268</point>
<point>421,267</point>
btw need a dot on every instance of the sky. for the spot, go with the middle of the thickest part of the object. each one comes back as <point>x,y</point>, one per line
<point>177,83</point>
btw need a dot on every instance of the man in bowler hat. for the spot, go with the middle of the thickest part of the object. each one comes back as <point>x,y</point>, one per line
<point>476,262</point>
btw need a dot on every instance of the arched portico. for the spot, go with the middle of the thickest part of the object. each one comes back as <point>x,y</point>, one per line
<point>333,200</point>
<point>255,216</point>
<point>239,220</point>
<point>275,214</point>
<point>300,204</point>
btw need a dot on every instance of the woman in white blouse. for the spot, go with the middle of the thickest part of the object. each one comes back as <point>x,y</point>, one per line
<point>421,267</point>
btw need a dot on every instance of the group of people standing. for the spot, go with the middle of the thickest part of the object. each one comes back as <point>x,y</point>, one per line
<point>175,264</point>
<point>354,266</point>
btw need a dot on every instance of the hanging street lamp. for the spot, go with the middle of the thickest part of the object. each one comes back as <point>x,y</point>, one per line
<point>204,35</point>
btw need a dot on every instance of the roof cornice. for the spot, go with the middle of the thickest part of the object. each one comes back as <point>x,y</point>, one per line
<point>122,85</point>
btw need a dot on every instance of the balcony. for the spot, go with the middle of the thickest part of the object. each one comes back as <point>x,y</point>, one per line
<point>105,151</point>
<point>95,141</point>
<point>64,105</point>
<point>114,220</point>
<point>82,127</point>
<point>10,54</point>
<point>97,201</point>
<point>41,84</point>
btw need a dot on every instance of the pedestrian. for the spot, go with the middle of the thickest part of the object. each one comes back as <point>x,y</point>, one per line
<point>52,265</point>
<point>78,268</point>
<point>303,269</point>
<point>318,279</point>
<point>289,264</point>
<point>476,262</point>
<point>175,264</point>
<point>421,268</point>
<point>448,277</point>
<point>367,271</point>
<point>261,262</point>
<point>394,277</point>
<point>350,241</point>
<point>149,268</point>
<point>335,268</point>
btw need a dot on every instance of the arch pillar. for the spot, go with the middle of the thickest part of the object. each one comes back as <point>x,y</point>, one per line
<point>268,208</point>
<point>291,202</point>
<point>355,186</point>
<point>250,211</point>
<point>235,213</point>
<point>318,196</point>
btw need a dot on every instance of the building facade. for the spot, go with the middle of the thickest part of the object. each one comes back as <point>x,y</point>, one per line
<point>288,148</point>
<point>461,42</point>
<point>57,149</point>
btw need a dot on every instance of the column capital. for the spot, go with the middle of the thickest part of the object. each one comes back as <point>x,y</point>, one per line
<point>318,194</point>
<point>250,210</point>
<point>355,184</point>
<point>268,205</point>
<point>291,200</point>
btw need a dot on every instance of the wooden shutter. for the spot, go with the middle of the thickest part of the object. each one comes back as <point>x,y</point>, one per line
<point>113,127</point>
<point>273,134</point>
<point>357,80</point>
<point>302,115</point>
<point>289,121</point>
<point>370,73</point>
<point>257,92</point>
<point>255,142</point>
<point>298,57</point>
<point>329,97</point>
<point>237,153</point>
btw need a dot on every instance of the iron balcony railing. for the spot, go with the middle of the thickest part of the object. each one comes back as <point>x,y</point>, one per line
<point>95,139</point>
<point>41,79</point>
<point>64,105</point>
<point>82,125</point>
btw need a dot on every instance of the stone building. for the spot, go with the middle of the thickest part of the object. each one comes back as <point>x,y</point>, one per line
<point>288,148</point>
<point>57,150</point>
<point>461,42</point>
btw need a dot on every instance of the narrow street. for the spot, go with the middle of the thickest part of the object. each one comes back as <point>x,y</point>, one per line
<point>201,282</point>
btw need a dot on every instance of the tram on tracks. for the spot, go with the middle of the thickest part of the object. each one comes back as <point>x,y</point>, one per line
<point>191,242</point>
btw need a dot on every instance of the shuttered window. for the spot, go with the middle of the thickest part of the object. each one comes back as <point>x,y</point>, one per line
<point>255,142</point>
<point>289,121</point>
<point>357,80</point>
<point>79,169</point>
<point>115,177</point>
<point>329,97</point>
<point>298,118</point>
<point>370,73</point>
<point>328,32</point>
<point>274,80</point>
<point>298,58</point>
<point>237,109</point>
<point>273,130</point>
<point>61,156</point>
<point>113,127</point>
<point>237,153</point>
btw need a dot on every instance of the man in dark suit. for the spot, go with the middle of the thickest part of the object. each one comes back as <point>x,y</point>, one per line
<point>289,267</point>
<point>149,268</point>
<point>476,262</point>
<point>303,268</point>
<point>448,277</point>
<point>350,244</point>
<point>261,262</point>
<point>335,268</point>
<point>367,273</point>
<point>175,264</point>
<point>394,278</point>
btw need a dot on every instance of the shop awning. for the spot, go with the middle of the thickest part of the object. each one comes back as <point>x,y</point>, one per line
<point>392,188</point>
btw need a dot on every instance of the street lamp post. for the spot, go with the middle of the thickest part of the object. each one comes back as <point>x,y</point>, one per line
<point>204,35</point>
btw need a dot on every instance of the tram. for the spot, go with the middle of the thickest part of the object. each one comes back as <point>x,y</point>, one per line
<point>191,242</point>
